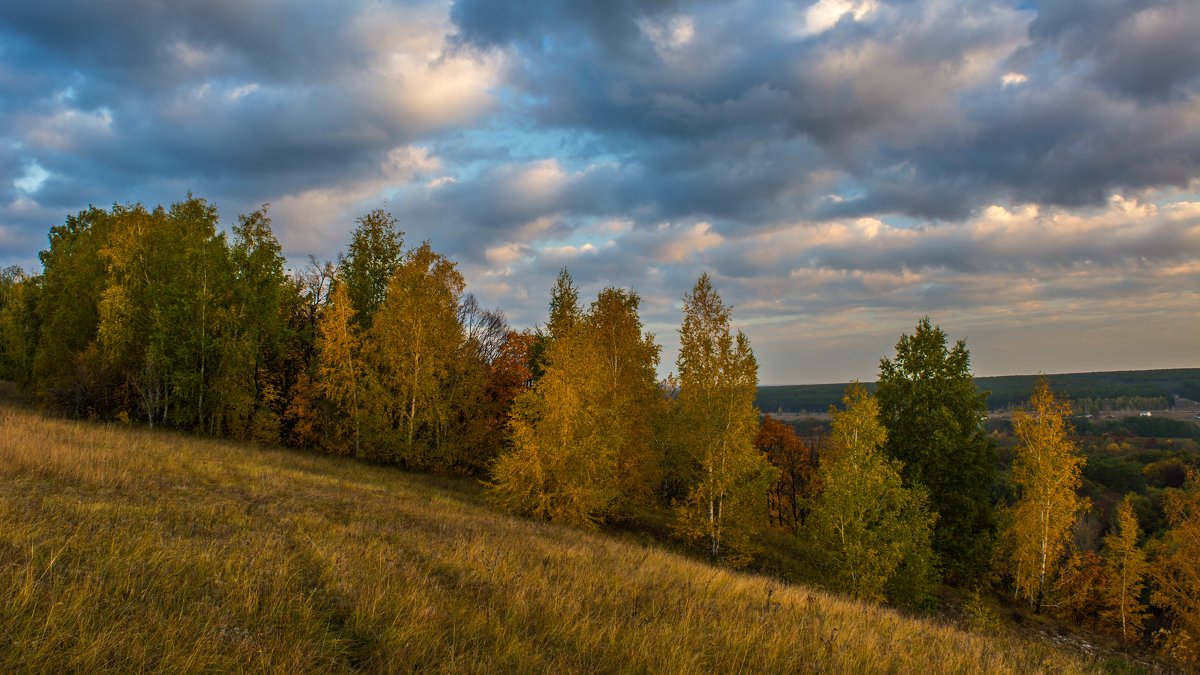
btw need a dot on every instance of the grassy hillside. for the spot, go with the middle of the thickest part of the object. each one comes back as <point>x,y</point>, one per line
<point>126,549</point>
<point>1010,389</point>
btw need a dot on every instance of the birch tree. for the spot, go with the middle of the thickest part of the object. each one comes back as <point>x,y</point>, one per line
<point>1046,474</point>
<point>869,533</point>
<point>727,479</point>
<point>1175,571</point>
<point>1126,564</point>
<point>411,347</point>
<point>582,447</point>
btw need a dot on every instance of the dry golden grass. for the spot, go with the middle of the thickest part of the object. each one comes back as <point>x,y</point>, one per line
<point>128,550</point>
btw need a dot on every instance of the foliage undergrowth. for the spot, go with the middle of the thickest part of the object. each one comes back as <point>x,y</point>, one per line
<point>125,549</point>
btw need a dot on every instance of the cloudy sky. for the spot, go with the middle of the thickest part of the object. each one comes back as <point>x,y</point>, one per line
<point>1028,173</point>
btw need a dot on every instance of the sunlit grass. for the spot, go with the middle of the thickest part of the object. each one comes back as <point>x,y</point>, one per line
<point>126,550</point>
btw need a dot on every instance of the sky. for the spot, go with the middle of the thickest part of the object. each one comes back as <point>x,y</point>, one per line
<point>1026,174</point>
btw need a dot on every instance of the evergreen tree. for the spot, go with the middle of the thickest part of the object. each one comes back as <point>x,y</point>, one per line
<point>934,420</point>
<point>565,312</point>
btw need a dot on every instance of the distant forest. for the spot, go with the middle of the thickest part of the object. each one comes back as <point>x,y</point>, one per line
<point>1088,392</point>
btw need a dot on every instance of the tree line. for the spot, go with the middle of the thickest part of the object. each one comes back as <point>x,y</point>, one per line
<point>159,317</point>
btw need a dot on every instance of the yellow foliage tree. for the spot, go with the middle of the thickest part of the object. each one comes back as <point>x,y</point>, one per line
<point>1126,574</point>
<point>1175,571</point>
<point>339,365</point>
<point>726,477</point>
<point>582,447</point>
<point>561,467</point>
<point>411,347</point>
<point>1047,475</point>
<point>630,397</point>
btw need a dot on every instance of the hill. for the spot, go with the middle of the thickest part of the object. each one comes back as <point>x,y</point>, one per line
<point>128,549</point>
<point>1008,390</point>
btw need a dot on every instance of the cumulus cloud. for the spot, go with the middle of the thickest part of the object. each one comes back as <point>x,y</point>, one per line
<point>840,165</point>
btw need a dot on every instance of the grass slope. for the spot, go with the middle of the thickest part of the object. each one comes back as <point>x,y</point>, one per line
<point>127,550</point>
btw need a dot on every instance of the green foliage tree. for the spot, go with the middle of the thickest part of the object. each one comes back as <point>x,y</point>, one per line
<point>18,324</point>
<point>253,334</point>
<point>934,420</point>
<point>1047,476</point>
<point>167,276</point>
<point>871,535</point>
<point>376,249</point>
<point>725,477</point>
<point>1126,564</point>
<point>67,317</point>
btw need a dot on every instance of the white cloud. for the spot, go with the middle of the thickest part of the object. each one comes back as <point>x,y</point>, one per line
<point>824,14</point>
<point>1012,79</point>
<point>32,179</point>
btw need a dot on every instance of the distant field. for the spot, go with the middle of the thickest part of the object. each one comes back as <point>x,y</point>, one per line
<point>126,550</point>
<point>1011,389</point>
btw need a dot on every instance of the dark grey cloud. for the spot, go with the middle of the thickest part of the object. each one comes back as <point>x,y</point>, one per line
<point>908,101</point>
<point>1136,48</point>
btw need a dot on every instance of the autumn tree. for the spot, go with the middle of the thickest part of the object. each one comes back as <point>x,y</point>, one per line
<point>1081,594</point>
<point>870,534</point>
<point>934,419</point>
<point>1126,564</point>
<point>340,376</point>
<point>582,437</point>
<point>1175,571</point>
<point>1046,474</point>
<point>630,397</point>
<point>507,376</point>
<point>305,297</point>
<point>476,410</point>
<point>412,348</point>
<point>561,467</point>
<point>796,463</point>
<point>725,478</point>
<point>565,312</point>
